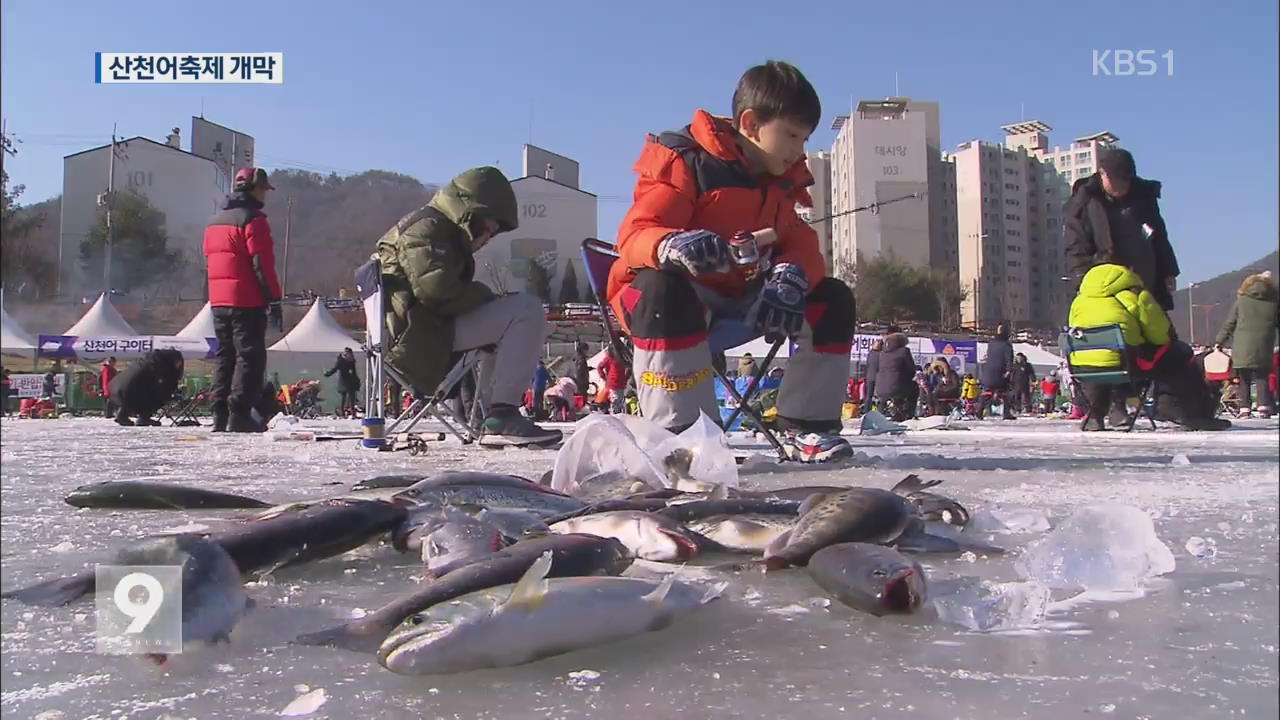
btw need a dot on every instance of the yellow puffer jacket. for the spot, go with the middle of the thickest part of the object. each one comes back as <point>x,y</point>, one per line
<point>970,389</point>
<point>1113,295</point>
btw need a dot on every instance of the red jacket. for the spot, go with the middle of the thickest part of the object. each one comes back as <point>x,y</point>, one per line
<point>698,178</point>
<point>108,373</point>
<point>232,238</point>
<point>613,373</point>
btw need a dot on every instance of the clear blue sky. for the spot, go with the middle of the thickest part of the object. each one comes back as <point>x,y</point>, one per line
<point>430,89</point>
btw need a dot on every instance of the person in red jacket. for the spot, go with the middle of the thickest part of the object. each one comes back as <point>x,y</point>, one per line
<point>713,248</point>
<point>109,371</point>
<point>615,374</point>
<point>245,295</point>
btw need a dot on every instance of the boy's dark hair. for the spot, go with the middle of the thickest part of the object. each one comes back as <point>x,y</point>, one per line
<point>777,89</point>
<point>1117,163</point>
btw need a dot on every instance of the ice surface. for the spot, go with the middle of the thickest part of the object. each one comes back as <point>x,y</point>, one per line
<point>305,704</point>
<point>1200,641</point>
<point>1107,547</point>
<point>1009,519</point>
<point>981,605</point>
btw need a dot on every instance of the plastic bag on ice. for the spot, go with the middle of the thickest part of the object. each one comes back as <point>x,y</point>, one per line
<point>873,423</point>
<point>605,443</point>
<point>709,456</point>
<point>631,446</point>
<point>1102,547</point>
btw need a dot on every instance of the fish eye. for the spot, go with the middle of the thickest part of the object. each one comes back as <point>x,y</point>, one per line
<point>879,573</point>
<point>417,619</point>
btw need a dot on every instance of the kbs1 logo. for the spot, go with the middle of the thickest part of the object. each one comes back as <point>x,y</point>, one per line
<point>1127,63</point>
<point>221,68</point>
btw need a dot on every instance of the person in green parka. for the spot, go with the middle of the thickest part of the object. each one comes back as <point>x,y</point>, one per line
<point>436,307</point>
<point>1251,333</point>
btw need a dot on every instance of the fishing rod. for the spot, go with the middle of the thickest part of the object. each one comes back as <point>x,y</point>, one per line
<point>873,207</point>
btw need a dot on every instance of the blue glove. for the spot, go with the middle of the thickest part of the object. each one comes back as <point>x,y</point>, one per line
<point>696,252</point>
<point>781,312</point>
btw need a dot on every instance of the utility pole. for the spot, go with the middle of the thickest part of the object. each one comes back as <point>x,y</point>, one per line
<point>1207,309</point>
<point>111,187</point>
<point>1191,316</point>
<point>288,221</point>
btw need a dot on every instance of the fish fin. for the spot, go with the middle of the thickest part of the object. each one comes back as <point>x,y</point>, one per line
<point>660,593</point>
<point>775,563</point>
<point>720,492</point>
<point>54,592</point>
<point>776,545</point>
<point>351,636</point>
<point>660,621</point>
<point>912,483</point>
<point>706,544</point>
<point>172,505</point>
<point>713,592</point>
<point>532,586</point>
<point>923,542</point>
<point>810,501</point>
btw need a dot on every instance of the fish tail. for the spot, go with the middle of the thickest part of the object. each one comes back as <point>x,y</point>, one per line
<point>54,592</point>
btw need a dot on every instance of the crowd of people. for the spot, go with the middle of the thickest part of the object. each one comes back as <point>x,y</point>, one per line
<point>713,249</point>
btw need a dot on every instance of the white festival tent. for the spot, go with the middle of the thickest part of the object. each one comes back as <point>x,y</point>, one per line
<point>102,320</point>
<point>309,349</point>
<point>1042,360</point>
<point>12,335</point>
<point>201,326</point>
<point>317,332</point>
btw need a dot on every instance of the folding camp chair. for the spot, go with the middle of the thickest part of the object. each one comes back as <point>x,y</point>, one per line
<point>598,257</point>
<point>181,411</point>
<point>435,405</point>
<point>1107,337</point>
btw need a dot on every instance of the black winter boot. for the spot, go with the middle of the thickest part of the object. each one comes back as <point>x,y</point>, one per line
<point>243,423</point>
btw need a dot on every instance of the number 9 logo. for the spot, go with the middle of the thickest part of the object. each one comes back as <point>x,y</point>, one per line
<point>143,612</point>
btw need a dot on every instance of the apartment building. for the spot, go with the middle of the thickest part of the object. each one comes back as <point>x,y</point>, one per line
<point>885,150</point>
<point>1009,200</point>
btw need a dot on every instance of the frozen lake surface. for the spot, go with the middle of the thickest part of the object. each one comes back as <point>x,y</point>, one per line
<point>1198,642</point>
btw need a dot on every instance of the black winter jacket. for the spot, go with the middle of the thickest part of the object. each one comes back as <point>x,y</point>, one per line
<point>149,384</point>
<point>348,379</point>
<point>897,369</point>
<point>1099,230</point>
<point>995,369</point>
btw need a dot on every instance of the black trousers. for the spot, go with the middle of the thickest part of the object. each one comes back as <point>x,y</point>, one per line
<point>346,401</point>
<point>1176,369</point>
<point>242,358</point>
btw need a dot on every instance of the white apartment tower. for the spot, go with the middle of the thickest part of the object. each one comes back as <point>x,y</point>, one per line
<point>1009,202</point>
<point>884,150</point>
<point>819,216</point>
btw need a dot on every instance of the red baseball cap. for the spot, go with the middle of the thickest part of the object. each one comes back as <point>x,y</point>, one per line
<point>251,177</point>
